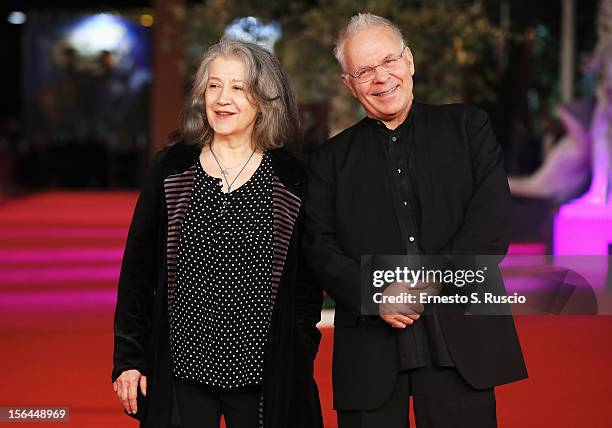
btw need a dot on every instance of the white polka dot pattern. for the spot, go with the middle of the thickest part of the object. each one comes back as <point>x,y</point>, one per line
<point>222,293</point>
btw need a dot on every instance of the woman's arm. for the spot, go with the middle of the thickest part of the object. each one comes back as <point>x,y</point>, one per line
<point>136,289</point>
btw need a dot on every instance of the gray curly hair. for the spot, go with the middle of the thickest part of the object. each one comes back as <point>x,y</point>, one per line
<point>267,86</point>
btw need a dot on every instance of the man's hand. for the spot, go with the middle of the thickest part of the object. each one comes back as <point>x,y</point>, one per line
<point>400,315</point>
<point>399,321</point>
<point>126,388</point>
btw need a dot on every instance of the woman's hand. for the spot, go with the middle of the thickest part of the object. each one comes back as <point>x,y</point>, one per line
<point>126,388</point>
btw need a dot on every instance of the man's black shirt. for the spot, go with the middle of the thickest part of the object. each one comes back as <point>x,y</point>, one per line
<point>422,343</point>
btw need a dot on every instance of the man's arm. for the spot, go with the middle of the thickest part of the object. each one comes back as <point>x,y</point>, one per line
<point>339,274</point>
<point>486,227</point>
<point>486,223</point>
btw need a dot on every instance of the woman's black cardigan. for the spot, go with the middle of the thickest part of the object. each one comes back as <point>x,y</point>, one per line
<point>290,396</point>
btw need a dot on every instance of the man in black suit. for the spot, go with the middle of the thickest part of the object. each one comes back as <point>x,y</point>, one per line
<point>416,179</point>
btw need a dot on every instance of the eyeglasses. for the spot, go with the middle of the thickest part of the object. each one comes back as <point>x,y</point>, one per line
<point>368,73</point>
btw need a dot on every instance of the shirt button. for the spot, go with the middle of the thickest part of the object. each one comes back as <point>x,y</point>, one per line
<point>393,138</point>
<point>399,170</point>
<point>411,239</point>
<point>405,203</point>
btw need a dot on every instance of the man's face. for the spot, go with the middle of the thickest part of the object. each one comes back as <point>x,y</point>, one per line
<point>388,96</point>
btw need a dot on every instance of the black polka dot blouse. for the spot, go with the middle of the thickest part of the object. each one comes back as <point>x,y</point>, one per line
<point>220,316</point>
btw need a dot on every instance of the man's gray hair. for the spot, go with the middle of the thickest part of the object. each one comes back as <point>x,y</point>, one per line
<point>267,86</point>
<point>360,22</point>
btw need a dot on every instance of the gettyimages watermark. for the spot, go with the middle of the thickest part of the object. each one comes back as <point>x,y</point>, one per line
<point>486,284</point>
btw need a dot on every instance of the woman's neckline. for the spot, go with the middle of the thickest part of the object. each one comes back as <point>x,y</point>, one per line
<point>219,179</point>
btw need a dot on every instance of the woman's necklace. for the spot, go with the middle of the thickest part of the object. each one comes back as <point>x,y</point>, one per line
<point>225,172</point>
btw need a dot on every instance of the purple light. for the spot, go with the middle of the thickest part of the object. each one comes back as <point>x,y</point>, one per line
<point>526,248</point>
<point>582,228</point>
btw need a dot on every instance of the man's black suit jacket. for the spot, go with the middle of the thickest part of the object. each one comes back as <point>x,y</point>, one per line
<point>464,209</point>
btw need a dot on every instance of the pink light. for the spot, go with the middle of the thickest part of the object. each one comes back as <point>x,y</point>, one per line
<point>62,255</point>
<point>583,228</point>
<point>526,248</point>
<point>54,232</point>
<point>52,276</point>
<point>76,300</point>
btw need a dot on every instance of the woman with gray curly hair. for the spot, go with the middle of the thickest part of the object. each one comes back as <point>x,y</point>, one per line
<point>215,315</point>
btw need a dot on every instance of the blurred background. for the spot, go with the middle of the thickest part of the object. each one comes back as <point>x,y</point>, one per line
<point>105,80</point>
<point>91,89</point>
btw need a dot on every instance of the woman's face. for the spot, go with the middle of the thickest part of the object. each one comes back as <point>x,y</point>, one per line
<point>229,110</point>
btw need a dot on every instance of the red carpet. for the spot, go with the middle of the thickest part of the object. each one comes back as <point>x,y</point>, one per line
<point>59,256</point>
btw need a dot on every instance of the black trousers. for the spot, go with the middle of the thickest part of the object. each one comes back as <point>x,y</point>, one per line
<point>201,406</point>
<point>442,399</point>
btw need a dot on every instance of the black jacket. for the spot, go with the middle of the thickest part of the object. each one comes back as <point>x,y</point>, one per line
<point>464,209</point>
<point>290,396</point>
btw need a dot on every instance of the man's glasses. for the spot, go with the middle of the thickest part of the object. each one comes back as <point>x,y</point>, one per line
<point>389,64</point>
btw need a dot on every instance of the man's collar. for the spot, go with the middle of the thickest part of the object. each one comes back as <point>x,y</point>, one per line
<point>380,125</point>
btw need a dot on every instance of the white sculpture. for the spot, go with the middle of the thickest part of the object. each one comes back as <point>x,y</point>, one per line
<point>585,148</point>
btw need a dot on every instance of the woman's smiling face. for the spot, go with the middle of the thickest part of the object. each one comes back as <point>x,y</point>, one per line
<point>229,109</point>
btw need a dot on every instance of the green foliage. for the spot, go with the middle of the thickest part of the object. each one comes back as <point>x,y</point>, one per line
<point>448,38</point>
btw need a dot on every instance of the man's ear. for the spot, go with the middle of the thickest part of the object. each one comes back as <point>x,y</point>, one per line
<point>411,59</point>
<point>347,82</point>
